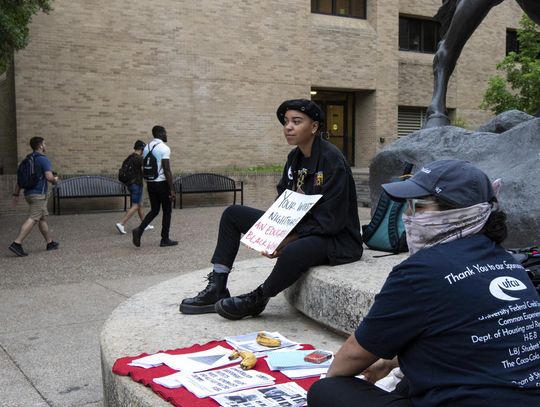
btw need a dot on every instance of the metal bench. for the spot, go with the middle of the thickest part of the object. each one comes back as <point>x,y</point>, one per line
<point>200,183</point>
<point>88,186</point>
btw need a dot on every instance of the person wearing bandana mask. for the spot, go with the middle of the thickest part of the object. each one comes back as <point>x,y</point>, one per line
<point>460,317</point>
<point>328,234</point>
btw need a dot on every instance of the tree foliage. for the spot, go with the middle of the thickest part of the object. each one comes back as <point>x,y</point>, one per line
<point>520,86</point>
<point>15,17</point>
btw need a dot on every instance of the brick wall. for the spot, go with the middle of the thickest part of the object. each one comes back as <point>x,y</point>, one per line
<point>97,75</point>
<point>8,132</point>
<point>477,63</point>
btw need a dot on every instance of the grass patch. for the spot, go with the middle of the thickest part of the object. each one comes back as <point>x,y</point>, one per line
<point>259,169</point>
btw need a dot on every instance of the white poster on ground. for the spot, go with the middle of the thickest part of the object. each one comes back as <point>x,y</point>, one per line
<point>278,221</point>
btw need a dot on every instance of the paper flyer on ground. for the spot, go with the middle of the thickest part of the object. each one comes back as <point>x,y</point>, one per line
<point>278,221</point>
<point>227,380</point>
<point>217,356</point>
<point>199,361</point>
<point>294,360</point>
<point>147,362</point>
<point>248,342</point>
<point>279,395</point>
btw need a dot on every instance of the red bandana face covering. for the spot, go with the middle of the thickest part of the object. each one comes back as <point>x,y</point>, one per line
<point>429,228</point>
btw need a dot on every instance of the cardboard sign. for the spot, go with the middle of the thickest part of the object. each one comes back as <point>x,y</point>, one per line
<point>278,221</point>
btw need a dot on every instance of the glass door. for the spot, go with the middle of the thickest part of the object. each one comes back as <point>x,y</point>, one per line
<point>336,125</point>
<point>338,128</point>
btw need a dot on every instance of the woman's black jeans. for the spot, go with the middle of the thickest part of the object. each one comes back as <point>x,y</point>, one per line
<point>296,258</point>
<point>354,392</point>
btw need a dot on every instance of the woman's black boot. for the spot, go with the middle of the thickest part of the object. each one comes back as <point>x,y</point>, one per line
<point>251,304</point>
<point>204,302</point>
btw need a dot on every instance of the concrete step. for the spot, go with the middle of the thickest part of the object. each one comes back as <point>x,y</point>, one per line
<point>339,297</point>
<point>361,180</point>
<point>149,322</point>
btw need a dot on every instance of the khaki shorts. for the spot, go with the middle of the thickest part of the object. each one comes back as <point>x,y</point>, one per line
<point>38,207</point>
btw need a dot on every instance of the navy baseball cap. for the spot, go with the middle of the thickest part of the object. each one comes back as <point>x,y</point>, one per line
<point>305,106</point>
<point>456,182</point>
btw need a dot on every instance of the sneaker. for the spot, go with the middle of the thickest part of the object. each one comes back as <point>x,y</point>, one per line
<point>149,227</point>
<point>120,228</point>
<point>17,249</point>
<point>52,245</point>
<point>168,242</point>
<point>136,233</point>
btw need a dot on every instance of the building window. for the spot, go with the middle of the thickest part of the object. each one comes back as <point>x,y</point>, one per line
<point>512,43</point>
<point>342,8</point>
<point>418,35</point>
<point>410,119</point>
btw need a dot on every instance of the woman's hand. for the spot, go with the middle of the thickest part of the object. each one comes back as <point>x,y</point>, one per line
<point>290,238</point>
<point>379,369</point>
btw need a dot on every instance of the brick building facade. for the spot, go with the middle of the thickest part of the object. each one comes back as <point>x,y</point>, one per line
<point>98,75</point>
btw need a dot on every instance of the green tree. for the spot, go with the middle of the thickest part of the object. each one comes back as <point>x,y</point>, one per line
<point>520,86</point>
<point>15,17</point>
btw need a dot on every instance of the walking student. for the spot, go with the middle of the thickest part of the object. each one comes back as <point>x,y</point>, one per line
<point>135,186</point>
<point>36,197</point>
<point>328,234</point>
<point>159,182</point>
<point>459,316</point>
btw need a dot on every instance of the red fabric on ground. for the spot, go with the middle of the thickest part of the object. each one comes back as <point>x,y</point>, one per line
<point>181,397</point>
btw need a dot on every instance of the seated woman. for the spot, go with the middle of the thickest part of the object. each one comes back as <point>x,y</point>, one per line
<point>460,314</point>
<point>328,234</point>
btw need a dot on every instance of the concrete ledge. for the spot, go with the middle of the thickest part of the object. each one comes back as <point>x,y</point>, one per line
<point>339,297</point>
<point>149,322</point>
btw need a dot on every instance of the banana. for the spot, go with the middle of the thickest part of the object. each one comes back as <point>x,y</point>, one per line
<point>268,341</point>
<point>248,359</point>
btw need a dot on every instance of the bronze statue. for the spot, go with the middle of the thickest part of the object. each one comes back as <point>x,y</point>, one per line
<point>459,19</point>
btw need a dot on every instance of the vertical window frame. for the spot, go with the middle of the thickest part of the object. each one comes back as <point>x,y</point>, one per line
<point>422,24</point>
<point>315,9</point>
<point>512,41</point>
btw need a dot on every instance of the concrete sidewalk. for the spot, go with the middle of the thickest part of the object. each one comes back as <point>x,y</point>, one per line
<point>55,303</point>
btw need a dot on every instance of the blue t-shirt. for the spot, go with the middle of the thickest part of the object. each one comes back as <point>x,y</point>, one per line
<point>42,164</point>
<point>464,320</point>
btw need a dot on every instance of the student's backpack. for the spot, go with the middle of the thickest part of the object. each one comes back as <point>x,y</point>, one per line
<point>128,172</point>
<point>386,231</point>
<point>529,258</point>
<point>150,165</point>
<point>27,178</point>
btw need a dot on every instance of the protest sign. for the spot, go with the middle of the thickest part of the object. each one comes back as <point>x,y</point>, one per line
<point>278,221</point>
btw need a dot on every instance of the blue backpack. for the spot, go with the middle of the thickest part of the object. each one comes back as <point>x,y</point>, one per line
<point>386,231</point>
<point>27,178</point>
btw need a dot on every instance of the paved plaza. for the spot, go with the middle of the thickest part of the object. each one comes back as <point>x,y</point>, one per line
<point>54,304</point>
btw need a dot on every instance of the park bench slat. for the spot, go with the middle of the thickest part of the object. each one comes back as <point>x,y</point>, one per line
<point>88,186</point>
<point>199,183</point>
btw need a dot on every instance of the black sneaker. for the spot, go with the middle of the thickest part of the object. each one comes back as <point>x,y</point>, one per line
<point>17,249</point>
<point>52,245</point>
<point>168,242</point>
<point>136,233</point>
